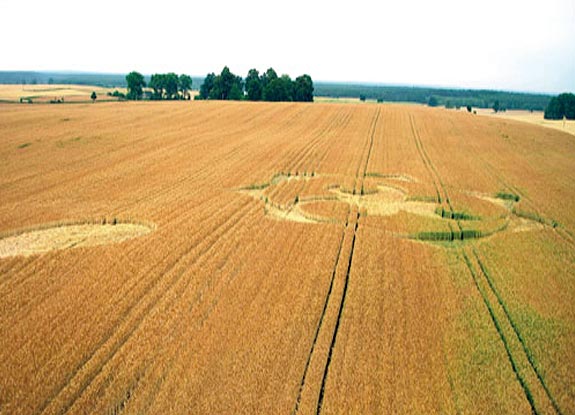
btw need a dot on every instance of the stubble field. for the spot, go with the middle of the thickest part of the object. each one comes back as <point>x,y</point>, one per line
<point>284,259</point>
<point>43,93</point>
<point>532,117</point>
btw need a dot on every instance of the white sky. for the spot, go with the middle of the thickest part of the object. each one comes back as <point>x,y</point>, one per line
<point>514,45</point>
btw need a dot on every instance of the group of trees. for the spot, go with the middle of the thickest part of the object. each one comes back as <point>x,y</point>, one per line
<point>432,101</point>
<point>225,86</point>
<point>136,83</point>
<point>561,106</point>
<point>164,86</point>
<point>271,87</point>
<point>170,86</point>
<point>265,87</point>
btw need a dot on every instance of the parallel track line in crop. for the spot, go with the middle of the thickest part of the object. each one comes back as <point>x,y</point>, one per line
<point>30,273</point>
<point>175,352</point>
<point>168,302</point>
<point>151,298</point>
<point>371,136</point>
<point>563,233</point>
<point>320,322</point>
<point>338,261</point>
<point>424,158</point>
<point>432,169</point>
<point>513,324</point>
<point>523,374</point>
<point>338,320</point>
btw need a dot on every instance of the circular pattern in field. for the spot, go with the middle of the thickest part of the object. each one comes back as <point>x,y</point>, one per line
<point>69,236</point>
<point>466,216</point>
<point>386,201</point>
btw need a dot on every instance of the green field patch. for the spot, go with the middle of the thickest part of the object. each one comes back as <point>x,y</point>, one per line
<point>507,196</point>
<point>534,216</point>
<point>407,223</point>
<point>479,362</point>
<point>421,198</point>
<point>70,141</point>
<point>449,214</point>
<point>255,186</point>
<point>485,227</point>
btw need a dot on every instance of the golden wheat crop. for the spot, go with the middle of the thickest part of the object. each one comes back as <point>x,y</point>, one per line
<point>531,117</point>
<point>289,259</point>
<point>45,93</point>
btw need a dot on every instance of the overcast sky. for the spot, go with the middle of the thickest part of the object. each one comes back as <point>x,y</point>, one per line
<point>498,44</point>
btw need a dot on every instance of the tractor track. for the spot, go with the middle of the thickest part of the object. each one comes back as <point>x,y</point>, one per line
<point>519,355</point>
<point>349,231</point>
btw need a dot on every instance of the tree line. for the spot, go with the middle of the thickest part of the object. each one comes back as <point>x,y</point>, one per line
<point>265,87</point>
<point>170,86</point>
<point>226,86</point>
<point>450,97</point>
<point>164,86</point>
<point>561,106</point>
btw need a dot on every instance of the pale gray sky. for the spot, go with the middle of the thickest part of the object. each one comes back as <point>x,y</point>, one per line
<point>515,45</point>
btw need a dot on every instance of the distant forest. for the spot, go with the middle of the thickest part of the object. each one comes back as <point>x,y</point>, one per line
<point>447,97</point>
<point>381,93</point>
<point>105,80</point>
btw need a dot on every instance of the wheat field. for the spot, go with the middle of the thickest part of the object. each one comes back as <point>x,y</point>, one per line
<point>531,117</point>
<point>43,93</point>
<point>287,259</point>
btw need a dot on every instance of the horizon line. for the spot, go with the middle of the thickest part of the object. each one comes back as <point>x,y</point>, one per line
<point>318,81</point>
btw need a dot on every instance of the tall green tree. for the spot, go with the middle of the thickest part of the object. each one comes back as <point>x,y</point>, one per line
<point>171,85</point>
<point>278,89</point>
<point>227,79</point>
<point>288,87</point>
<point>303,89</point>
<point>561,106</point>
<point>207,86</point>
<point>268,76</point>
<point>185,85</point>
<point>496,105</point>
<point>253,85</point>
<point>230,85</point>
<point>224,86</point>
<point>157,83</point>
<point>216,91</point>
<point>554,110</point>
<point>136,84</point>
<point>236,92</point>
<point>568,105</point>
